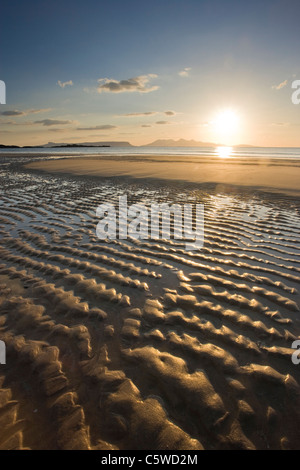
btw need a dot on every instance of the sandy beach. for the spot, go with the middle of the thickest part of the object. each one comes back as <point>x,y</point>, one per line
<point>140,344</point>
<point>265,173</point>
<point>149,227</point>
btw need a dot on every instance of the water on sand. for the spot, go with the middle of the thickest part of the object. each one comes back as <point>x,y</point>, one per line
<point>140,344</point>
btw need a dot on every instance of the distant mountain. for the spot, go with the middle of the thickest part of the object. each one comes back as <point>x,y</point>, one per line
<point>65,144</point>
<point>180,143</point>
<point>88,144</point>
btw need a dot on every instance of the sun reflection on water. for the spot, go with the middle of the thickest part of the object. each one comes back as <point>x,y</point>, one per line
<point>224,152</point>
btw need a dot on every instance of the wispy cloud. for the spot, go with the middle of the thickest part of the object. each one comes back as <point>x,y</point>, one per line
<point>36,111</point>
<point>17,112</point>
<point>13,112</point>
<point>53,122</point>
<point>138,84</point>
<point>97,128</point>
<point>64,84</point>
<point>281,85</point>
<point>185,72</point>
<point>149,113</point>
<point>15,123</point>
<point>280,124</point>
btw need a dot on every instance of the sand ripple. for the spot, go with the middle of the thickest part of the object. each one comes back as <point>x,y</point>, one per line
<point>139,344</point>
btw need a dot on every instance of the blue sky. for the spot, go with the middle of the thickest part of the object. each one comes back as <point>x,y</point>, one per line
<point>193,58</point>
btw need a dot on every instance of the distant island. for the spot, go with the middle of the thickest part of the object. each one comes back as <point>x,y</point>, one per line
<point>48,146</point>
<point>156,143</point>
<point>68,145</point>
<point>77,145</point>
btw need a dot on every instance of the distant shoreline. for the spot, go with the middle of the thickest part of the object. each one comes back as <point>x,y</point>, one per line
<point>50,147</point>
<point>161,143</point>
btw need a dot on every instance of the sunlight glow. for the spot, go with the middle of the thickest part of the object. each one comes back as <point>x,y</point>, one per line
<point>224,152</point>
<point>226,122</point>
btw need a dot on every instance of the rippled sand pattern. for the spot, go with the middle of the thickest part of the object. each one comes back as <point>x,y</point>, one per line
<point>141,344</point>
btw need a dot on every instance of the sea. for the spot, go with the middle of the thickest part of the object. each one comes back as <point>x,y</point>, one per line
<point>221,151</point>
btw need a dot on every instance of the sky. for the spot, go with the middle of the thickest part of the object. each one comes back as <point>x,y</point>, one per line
<point>208,70</point>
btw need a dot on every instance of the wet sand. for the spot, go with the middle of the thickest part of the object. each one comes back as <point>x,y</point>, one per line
<point>133,344</point>
<point>270,174</point>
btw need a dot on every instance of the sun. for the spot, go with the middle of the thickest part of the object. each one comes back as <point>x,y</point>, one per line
<point>226,122</point>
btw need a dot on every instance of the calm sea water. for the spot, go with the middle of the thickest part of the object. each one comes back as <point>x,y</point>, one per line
<point>271,152</point>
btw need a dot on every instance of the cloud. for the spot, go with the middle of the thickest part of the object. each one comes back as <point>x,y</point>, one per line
<point>184,72</point>
<point>63,84</point>
<point>14,123</point>
<point>162,122</point>
<point>147,113</point>
<point>97,128</point>
<point>36,111</point>
<point>281,85</point>
<point>280,124</point>
<point>53,122</point>
<point>138,84</point>
<point>16,112</point>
